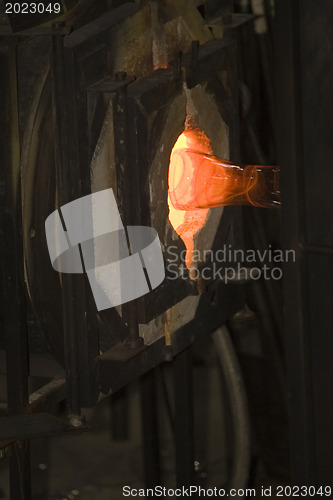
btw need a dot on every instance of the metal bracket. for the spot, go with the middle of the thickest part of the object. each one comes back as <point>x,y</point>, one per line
<point>204,61</point>
<point>121,352</point>
<point>36,425</point>
<point>111,85</point>
<point>38,31</point>
<point>232,21</point>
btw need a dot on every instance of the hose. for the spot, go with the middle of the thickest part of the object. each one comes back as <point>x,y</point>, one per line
<point>239,410</point>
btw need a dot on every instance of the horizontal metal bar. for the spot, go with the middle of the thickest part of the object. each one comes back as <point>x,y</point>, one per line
<point>110,84</point>
<point>38,31</point>
<point>209,58</point>
<point>36,425</point>
<point>40,365</point>
<point>236,20</point>
<point>48,395</point>
<point>121,352</point>
<point>114,375</point>
<point>316,249</point>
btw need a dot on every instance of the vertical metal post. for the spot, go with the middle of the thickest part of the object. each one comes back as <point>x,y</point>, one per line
<point>297,335</point>
<point>183,420</point>
<point>304,83</point>
<point>120,412</point>
<point>13,290</point>
<point>125,177</point>
<point>150,430</point>
<point>63,189</point>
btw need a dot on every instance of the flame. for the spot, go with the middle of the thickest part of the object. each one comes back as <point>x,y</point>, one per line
<point>186,222</point>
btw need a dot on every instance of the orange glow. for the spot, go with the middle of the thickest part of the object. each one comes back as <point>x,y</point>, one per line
<point>201,180</point>
<point>186,222</point>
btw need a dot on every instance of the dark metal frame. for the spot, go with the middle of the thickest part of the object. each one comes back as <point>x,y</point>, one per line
<point>87,372</point>
<point>304,98</point>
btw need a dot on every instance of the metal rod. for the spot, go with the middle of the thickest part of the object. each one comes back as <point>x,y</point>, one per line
<point>20,470</point>
<point>150,430</point>
<point>120,412</point>
<point>239,409</point>
<point>13,291</point>
<point>298,342</point>
<point>124,194</point>
<point>63,186</point>
<point>183,420</point>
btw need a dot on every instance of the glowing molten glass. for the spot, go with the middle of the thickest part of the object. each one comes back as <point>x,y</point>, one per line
<point>187,223</point>
<point>200,180</point>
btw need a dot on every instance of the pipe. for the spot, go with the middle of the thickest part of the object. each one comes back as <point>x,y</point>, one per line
<point>236,391</point>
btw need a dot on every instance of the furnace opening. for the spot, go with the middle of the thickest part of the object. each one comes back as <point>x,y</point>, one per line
<point>186,223</point>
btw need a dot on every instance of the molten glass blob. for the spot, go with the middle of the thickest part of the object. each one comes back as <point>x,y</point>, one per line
<point>187,223</point>
<point>200,180</point>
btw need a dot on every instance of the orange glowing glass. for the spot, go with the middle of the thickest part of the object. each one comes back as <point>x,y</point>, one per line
<point>200,180</point>
<point>187,223</point>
